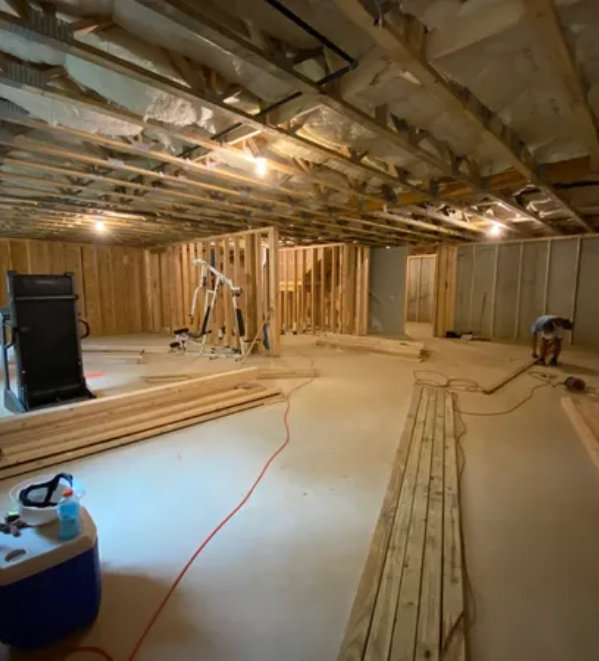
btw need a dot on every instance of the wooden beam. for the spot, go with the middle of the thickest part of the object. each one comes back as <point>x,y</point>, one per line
<point>394,36</point>
<point>134,72</point>
<point>545,21</point>
<point>89,25</point>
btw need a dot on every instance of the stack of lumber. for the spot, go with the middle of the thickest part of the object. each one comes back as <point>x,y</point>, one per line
<point>400,348</point>
<point>583,413</point>
<point>410,599</point>
<point>42,438</point>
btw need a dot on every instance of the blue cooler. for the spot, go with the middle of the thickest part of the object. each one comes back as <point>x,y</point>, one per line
<point>52,588</point>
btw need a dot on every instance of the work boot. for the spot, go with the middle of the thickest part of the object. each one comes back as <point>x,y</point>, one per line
<point>540,361</point>
<point>553,362</point>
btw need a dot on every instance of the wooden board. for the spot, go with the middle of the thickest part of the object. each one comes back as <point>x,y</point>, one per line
<point>410,600</point>
<point>400,348</point>
<point>510,376</point>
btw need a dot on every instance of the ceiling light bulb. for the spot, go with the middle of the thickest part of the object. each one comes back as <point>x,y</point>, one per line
<point>495,230</point>
<point>99,225</point>
<point>261,166</point>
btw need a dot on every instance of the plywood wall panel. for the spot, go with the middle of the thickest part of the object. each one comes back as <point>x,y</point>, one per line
<point>109,279</point>
<point>91,289</point>
<point>20,258</point>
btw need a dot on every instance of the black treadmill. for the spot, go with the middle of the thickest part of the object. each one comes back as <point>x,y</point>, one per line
<point>42,325</point>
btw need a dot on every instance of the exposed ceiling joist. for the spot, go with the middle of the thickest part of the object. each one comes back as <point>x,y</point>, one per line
<point>404,136</point>
<point>404,39</point>
<point>381,126</point>
<point>317,219</point>
<point>545,20</point>
<point>145,76</point>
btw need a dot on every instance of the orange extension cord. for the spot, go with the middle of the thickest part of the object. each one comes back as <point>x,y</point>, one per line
<point>105,655</point>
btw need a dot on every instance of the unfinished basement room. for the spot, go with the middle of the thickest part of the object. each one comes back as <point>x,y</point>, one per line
<point>299,330</point>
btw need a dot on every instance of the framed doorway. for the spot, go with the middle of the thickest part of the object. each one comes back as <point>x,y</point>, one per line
<point>420,296</point>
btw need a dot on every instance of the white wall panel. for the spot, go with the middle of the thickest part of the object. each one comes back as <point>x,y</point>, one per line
<point>510,284</point>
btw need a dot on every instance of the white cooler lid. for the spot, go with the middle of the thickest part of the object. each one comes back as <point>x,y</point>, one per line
<point>43,549</point>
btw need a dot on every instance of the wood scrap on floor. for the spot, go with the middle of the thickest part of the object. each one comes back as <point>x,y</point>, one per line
<point>399,348</point>
<point>121,357</point>
<point>504,380</point>
<point>410,599</point>
<point>584,416</point>
<point>123,348</point>
<point>264,373</point>
<point>50,436</point>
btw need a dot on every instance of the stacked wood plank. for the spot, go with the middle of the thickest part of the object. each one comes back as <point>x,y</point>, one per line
<point>324,288</point>
<point>410,600</point>
<point>400,348</point>
<point>34,440</point>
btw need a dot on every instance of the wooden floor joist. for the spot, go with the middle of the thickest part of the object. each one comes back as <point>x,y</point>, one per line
<point>410,600</point>
<point>51,436</point>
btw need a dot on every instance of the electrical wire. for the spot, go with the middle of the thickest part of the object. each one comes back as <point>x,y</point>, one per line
<point>140,641</point>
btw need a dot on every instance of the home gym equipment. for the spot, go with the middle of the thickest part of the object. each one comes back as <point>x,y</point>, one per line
<point>211,281</point>
<point>48,587</point>
<point>40,324</point>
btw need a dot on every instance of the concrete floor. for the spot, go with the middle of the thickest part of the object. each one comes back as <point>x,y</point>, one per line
<point>278,582</point>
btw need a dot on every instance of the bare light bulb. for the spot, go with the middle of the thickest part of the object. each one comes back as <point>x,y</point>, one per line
<point>261,166</point>
<point>495,230</point>
<point>100,226</point>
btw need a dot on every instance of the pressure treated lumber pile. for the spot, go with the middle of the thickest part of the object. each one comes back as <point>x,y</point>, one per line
<point>399,348</point>
<point>34,440</point>
<point>410,600</point>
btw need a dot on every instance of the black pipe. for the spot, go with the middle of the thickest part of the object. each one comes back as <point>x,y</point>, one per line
<point>294,18</point>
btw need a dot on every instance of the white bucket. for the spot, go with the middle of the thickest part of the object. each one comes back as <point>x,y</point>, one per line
<point>40,516</point>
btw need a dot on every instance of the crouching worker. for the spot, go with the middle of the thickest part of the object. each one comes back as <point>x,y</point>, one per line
<point>549,329</point>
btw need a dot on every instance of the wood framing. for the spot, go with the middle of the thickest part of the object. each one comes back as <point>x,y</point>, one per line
<point>445,290</point>
<point>545,21</point>
<point>322,288</point>
<point>402,37</point>
<point>250,258</point>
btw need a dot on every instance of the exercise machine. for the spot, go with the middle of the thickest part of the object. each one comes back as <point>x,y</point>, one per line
<point>211,281</point>
<point>41,327</point>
